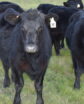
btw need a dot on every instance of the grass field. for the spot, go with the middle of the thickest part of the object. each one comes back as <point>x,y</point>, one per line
<point>59,79</point>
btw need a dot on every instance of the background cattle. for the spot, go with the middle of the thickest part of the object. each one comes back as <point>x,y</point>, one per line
<point>58,33</point>
<point>74,4</point>
<point>75,42</point>
<point>26,45</point>
<point>44,8</point>
<point>59,42</point>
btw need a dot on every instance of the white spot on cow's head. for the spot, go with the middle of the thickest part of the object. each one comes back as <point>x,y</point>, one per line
<point>78,5</point>
<point>52,23</point>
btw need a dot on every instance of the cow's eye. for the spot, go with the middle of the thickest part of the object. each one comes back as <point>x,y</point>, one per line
<point>40,29</point>
<point>23,30</point>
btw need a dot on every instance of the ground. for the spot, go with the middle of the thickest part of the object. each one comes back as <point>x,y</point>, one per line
<point>59,78</point>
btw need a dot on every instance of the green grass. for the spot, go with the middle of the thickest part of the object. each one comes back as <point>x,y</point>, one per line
<point>59,78</point>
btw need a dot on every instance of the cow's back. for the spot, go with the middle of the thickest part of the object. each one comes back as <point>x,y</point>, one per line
<point>5,5</point>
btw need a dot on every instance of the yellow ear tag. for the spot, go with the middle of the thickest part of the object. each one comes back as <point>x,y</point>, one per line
<point>78,5</point>
<point>52,23</point>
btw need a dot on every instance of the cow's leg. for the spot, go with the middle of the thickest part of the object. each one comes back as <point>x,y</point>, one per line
<point>62,43</point>
<point>57,47</point>
<point>77,79</point>
<point>39,87</point>
<point>19,83</point>
<point>77,73</point>
<point>6,66</point>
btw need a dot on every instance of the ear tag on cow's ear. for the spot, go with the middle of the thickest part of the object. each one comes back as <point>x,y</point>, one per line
<point>52,23</point>
<point>78,5</point>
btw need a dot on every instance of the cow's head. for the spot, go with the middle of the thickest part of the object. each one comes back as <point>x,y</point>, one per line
<point>51,20</point>
<point>32,27</point>
<point>74,4</point>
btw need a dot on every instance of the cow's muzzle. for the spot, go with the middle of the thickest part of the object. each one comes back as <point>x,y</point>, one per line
<point>31,48</point>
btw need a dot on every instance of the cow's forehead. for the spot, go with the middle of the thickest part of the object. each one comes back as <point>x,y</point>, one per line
<point>32,20</point>
<point>31,25</point>
<point>31,14</point>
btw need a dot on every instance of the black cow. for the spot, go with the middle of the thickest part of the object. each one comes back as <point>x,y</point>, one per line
<point>3,7</point>
<point>75,42</point>
<point>74,3</point>
<point>26,45</point>
<point>44,8</point>
<point>58,33</point>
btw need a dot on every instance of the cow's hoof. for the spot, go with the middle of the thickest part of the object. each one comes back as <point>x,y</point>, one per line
<point>6,83</point>
<point>57,53</point>
<point>62,46</point>
<point>76,86</point>
<point>40,102</point>
<point>17,101</point>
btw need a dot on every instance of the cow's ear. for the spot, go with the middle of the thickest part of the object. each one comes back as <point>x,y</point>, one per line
<point>51,20</point>
<point>65,4</point>
<point>11,16</point>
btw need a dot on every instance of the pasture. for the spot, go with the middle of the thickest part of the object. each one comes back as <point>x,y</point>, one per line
<point>59,78</point>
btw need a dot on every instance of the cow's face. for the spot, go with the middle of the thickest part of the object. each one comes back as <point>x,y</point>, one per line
<point>30,35</point>
<point>73,4</point>
<point>32,27</point>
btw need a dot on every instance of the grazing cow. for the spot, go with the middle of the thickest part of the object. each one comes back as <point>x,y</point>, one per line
<point>75,42</point>
<point>3,7</point>
<point>26,45</point>
<point>58,33</point>
<point>74,3</point>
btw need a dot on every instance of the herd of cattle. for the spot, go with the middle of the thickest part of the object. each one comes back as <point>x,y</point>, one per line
<point>26,39</point>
